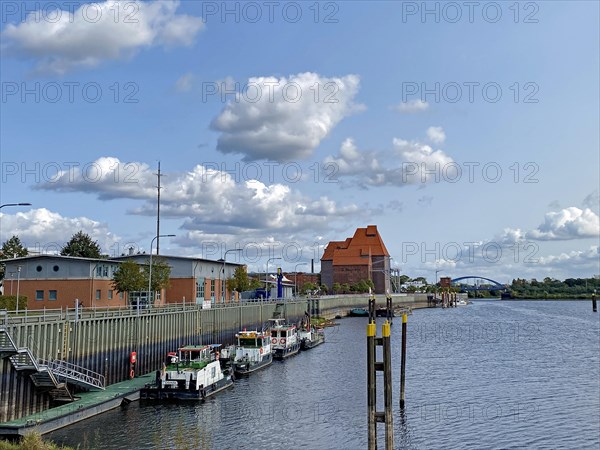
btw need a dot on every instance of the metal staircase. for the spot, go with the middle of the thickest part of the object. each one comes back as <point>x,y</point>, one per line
<point>51,376</point>
<point>73,374</point>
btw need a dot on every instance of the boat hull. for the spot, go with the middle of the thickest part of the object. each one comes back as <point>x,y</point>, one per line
<point>311,343</point>
<point>244,368</point>
<point>283,353</point>
<point>155,393</point>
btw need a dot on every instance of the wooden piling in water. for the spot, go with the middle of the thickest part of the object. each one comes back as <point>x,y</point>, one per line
<point>594,306</point>
<point>387,384</point>
<point>371,387</point>
<point>403,360</point>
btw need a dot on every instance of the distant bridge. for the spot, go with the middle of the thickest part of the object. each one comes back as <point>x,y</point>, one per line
<point>492,286</point>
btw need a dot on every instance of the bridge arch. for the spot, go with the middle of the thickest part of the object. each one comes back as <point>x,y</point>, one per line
<point>494,282</point>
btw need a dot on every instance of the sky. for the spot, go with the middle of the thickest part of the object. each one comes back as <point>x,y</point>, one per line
<point>468,132</point>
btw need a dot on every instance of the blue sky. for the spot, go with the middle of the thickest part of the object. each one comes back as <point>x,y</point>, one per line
<point>467,132</point>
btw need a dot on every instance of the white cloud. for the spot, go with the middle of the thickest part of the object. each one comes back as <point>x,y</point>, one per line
<point>108,177</point>
<point>436,135</point>
<point>41,230</point>
<point>206,198</point>
<point>412,162</point>
<point>569,223</point>
<point>411,107</point>
<point>284,119</point>
<point>98,32</point>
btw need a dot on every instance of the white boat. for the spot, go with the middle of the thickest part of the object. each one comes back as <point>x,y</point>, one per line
<point>192,373</point>
<point>252,352</point>
<point>309,335</point>
<point>284,339</point>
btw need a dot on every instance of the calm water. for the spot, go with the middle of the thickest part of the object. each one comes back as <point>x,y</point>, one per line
<point>492,375</point>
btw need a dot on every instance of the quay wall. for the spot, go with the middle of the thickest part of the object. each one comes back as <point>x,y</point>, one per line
<point>102,340</point>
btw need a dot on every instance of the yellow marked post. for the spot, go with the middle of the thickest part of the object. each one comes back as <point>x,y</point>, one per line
<point>385,329</point>
<point>404,318</point>
<point>371,329</point>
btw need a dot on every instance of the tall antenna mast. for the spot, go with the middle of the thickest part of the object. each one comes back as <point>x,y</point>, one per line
<point>158,175</point>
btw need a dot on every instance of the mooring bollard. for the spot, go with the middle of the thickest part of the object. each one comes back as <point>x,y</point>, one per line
<point>403,360</point>
<point>385,366</point>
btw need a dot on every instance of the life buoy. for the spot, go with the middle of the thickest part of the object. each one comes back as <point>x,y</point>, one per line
<point>282,341</point>
<point>260,350</point>
<point>274,341</point>
<point>131,374</point>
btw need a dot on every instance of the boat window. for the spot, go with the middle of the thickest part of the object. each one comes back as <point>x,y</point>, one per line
<point>247,342</point>
<point>213,372</point>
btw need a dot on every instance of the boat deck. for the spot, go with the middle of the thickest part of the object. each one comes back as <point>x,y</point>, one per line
<point>87,405</point>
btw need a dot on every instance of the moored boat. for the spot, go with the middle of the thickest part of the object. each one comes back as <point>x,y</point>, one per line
<point>284,339</point>
<point>192,373</point>
<point>252,352</point>
<point>310,338</point>
<point>358,312</point>
<point>309,335</point>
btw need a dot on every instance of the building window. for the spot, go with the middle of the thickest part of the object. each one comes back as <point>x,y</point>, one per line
<point>212,288</point>
<point>39,295</point>
<point>121,296</point>
<point>110,294</point>
<point>55,268</point>
<point>104,271</point>
<point>98,294</point>
<point>99,271</point>
<point>200,288</point>
<point>52,295</point>
<point>38,268</point>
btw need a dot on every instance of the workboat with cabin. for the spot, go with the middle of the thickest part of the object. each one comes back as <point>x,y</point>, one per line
<point>192,373</point>
<point>309,335</point>
<point>284,339</point>
<point>252,352</point>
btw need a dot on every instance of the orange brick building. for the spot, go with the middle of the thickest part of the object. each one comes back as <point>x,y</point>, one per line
<point>54,281</point>
<point>361,257</point>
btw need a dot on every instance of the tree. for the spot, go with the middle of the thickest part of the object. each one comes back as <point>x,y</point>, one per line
<point>129,277</point>
<point>12,248</point>
<point>81,245</point>
<point>161,274</point>
<point>240,281</point>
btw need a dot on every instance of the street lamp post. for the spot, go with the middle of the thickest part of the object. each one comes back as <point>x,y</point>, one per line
<point>296,277</point>
<point>15,204</point>
<point>436,282</point>
<point>224,278</point>
<point>18,280</point>
<point>150,268</point>
<point>267,278</point>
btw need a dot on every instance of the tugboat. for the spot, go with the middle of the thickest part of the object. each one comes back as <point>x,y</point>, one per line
<point>309,335</point>
<point>284,339</point>
<point>192,373</point>
<point>252,352</point>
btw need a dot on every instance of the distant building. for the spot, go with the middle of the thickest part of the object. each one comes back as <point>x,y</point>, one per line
<point>54,281</point>
<point>361,257</point>
<point>445,282</point>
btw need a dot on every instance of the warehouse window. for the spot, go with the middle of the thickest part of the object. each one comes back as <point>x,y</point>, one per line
<point>52,295</point>
<point>39,295</point>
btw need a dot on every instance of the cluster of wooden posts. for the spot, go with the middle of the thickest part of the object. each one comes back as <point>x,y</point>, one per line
<point>449,299</point>
<point>385,366</point>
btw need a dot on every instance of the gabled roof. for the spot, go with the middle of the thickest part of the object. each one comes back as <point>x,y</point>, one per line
<point>357,250</point>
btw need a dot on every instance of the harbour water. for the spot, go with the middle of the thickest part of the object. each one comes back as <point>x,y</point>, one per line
<point>493,374</point>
